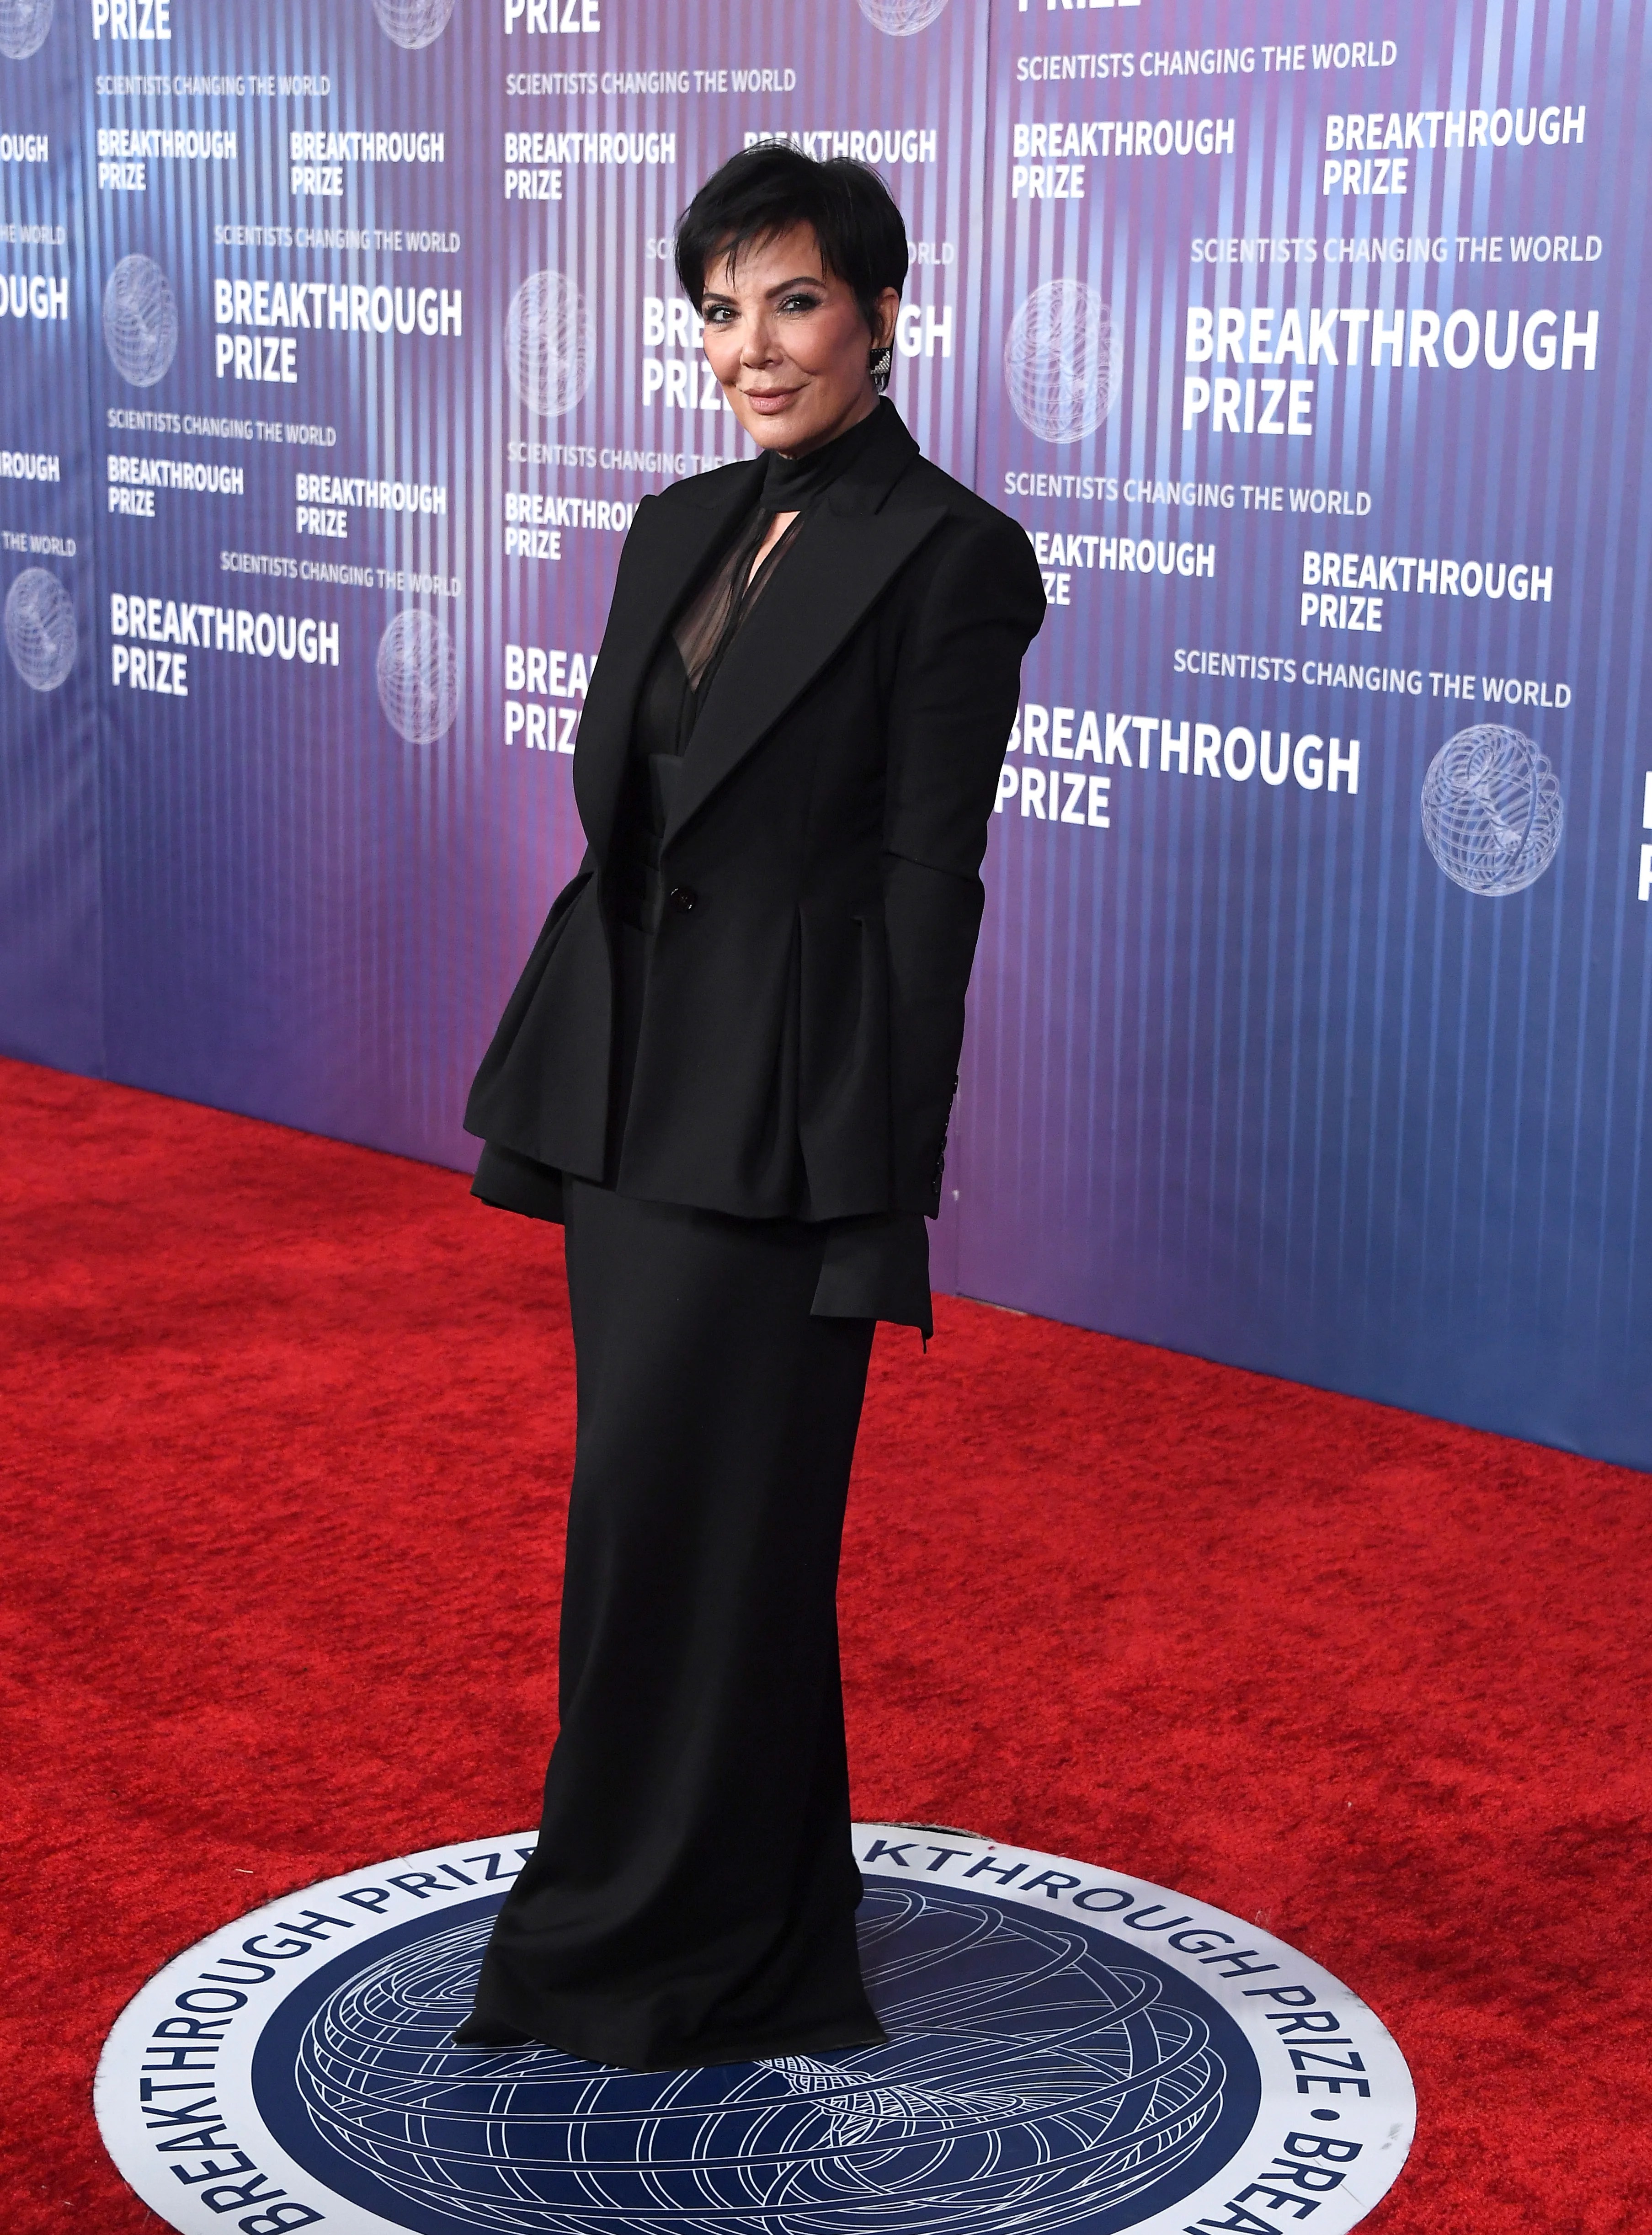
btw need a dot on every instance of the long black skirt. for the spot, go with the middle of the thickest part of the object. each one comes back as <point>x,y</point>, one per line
<point>692,1897</point>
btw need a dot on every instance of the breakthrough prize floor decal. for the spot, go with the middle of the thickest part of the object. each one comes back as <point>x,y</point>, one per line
<point>1068,2049</point>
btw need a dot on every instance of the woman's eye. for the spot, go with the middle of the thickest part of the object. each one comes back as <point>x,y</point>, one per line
<point>801,303</point>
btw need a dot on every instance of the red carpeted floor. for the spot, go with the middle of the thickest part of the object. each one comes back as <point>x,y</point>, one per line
<point>285,1430</point>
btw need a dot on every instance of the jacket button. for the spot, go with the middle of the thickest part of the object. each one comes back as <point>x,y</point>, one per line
<point>684,899</point>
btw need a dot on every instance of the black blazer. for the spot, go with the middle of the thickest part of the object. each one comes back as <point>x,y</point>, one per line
<point>806,987</point>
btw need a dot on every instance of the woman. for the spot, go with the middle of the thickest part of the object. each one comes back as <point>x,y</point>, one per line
<point>727,1069</point>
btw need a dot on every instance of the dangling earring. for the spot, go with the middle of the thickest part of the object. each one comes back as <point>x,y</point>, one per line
<point>879,365</point>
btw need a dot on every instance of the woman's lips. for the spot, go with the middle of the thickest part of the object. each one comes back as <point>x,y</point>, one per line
<point>770,400</point>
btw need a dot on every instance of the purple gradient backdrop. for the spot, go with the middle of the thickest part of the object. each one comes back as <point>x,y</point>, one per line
<point>1247,1074</point>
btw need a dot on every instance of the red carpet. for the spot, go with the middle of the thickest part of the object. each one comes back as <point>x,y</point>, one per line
<point>284,1434</point>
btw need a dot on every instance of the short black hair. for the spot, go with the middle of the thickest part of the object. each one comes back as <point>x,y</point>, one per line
<point>763,191</point>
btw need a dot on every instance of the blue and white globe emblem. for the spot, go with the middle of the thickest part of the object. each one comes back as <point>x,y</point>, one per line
<point>23,26</point>
<point>550,344</point>
<point>900,18</point>
<point>413,23</point>
<point>418,676</point>
<point>1059,361</point>
<point>140,321</point>
<point>1068,2050</point>
<point>41,635</point>
<point>1491,809</point>
<point>1029,2082</point>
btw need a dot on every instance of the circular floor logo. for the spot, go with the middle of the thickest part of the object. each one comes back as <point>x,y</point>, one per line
<point>1067,2050</point>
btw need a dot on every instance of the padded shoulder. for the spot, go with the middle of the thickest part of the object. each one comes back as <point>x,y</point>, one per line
<point>924,485</point>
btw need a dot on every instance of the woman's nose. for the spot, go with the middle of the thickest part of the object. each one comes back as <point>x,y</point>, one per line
<point>758,346</point>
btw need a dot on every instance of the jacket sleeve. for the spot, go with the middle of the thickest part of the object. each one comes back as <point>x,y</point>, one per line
<point>957,685</point>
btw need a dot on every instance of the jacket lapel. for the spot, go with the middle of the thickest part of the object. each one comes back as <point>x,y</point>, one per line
<point>656,568</point>
<point>842,562</point>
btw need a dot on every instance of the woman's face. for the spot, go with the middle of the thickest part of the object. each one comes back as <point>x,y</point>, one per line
<point>788,344</point>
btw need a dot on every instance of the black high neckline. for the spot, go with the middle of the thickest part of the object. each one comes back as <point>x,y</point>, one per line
<point>791,484</point>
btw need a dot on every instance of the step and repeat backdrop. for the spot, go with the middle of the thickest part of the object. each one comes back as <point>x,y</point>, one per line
<point>1309,342</point>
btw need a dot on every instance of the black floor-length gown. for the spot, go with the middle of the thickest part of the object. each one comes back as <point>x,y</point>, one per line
<point>691,1897</point>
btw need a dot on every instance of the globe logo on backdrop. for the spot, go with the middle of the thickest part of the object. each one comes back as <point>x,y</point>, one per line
<point>140,321</point>
<point>1069,2053</point>
<point>900,18</point>
<point>41,635</point>
<point>1492,813</point>
<point>23,26</point>
<point>1059,361</point>
<point>413,22</point>
<point>418,676</point>
<point>1026,2076</point>
<point>550,344</point>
